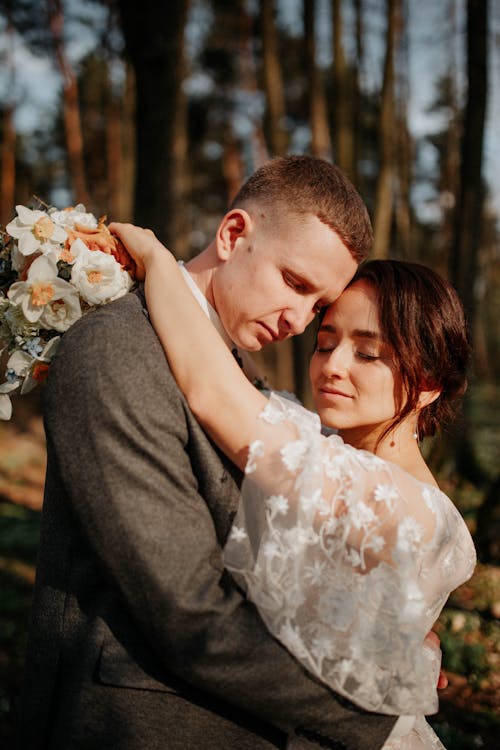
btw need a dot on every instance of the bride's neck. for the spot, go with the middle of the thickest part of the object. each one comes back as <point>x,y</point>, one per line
<point>399,447</point>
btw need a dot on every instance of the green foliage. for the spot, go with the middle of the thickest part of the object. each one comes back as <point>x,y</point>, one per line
<point>466,642</point>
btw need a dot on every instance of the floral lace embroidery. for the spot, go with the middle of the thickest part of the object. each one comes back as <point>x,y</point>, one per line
<point>349,561</point>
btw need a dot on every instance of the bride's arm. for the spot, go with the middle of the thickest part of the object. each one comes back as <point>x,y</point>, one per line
<point>218,393</point>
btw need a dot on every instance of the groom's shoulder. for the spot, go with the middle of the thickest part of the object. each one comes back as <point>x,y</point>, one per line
<point>122,324</point>
<point>116,338</point>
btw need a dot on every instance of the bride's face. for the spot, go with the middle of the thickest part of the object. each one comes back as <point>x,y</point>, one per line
<point>354,377</point>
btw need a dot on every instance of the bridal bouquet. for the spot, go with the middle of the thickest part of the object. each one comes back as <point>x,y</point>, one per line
<point>55,266</point>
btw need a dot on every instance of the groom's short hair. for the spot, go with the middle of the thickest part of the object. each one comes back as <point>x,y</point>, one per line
<point>299,185</point>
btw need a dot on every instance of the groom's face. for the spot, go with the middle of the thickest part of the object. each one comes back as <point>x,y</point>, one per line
<point>274,276</point>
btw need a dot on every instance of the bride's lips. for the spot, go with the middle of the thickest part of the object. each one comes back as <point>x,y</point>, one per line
<point>332,393</point>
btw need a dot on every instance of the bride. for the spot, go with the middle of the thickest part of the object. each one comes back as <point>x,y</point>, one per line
<point>344,542</point>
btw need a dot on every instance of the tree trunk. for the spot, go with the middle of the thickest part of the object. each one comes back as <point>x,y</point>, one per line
<point>405,156</point>
<point>357,103</point>
<point>344,133</point>
<point>114,156</point>
<point>8,166</point>
<point>71,111</point>
<point>8,134</point>
<point>154,36</point>
<point>384,206</point>
<point>464,261</point>
<point>273,81</point>
<point>469,210</point>
<point>318,112</point>
<point>128,147</point>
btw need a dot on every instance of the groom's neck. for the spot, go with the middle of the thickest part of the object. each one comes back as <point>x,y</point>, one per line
<point>202,268</point>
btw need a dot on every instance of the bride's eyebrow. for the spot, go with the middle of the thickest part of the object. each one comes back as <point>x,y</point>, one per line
<point>366,334</point>
<point>360,333</point>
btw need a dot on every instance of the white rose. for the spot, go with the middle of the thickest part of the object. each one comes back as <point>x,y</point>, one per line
<point>60,314</point>
<point>98,277</point>
<point>71,216</point>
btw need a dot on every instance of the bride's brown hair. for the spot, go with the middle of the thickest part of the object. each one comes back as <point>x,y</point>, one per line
<point>422,318</point>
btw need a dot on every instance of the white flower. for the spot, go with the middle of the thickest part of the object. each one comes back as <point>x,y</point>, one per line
<point>71,216</point>
<point>354,557</point>
<point>97,276</point>
<point>428,499</point>
<point>59,314</point>
<point>277,504</point>
<point>322,647</point>
<point>17,259</point>
<point>20,363</point>
<point>361,515</point>
<point>41,288</point>
<point>238,534</point>
<point>315,572</point>
<point>299,536</point>
<point>272,413</point>
<point>34,230</point>
<point>270,549</point>
<point>386,493</point>
<point>30,369</point>
<point>255,450</point>
<point>410,533</point>
<point>376,543</point>
<point>293,454</point>
<point>311,502</point>
<point>5,402</point>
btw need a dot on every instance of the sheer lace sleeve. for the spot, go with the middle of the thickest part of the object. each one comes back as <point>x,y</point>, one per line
<point>348,558</point>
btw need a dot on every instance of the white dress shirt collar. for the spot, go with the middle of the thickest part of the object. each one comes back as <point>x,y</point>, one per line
<point>205,305</point>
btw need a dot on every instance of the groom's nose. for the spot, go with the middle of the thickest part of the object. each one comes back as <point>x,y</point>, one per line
<point>295,319</point>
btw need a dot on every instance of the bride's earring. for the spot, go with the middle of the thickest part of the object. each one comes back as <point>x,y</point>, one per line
<point>415,433</point>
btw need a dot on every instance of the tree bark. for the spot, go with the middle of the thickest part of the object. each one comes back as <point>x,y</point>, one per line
<point>384,206</point>
<point>318,112</point>
<point>273,81</point>
<point>464,261</point>
<point>405,156</point>
<point>8,134</point>
<point>128,146</point>
<point>344,131</point>
<point>8,166</point>
<point>357,102</point>
<point>71,111</point>
<point>154,36</point>
<point>469,210</point>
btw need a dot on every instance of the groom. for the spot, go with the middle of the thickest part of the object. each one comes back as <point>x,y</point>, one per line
<point>139,638</point>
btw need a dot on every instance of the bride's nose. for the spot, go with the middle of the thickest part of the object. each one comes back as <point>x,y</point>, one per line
<point>337,362</point>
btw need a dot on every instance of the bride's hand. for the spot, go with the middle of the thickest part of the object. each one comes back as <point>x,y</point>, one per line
<point>141,244</point>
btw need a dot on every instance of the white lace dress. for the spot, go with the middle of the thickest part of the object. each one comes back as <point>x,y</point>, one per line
<point>349,560</point>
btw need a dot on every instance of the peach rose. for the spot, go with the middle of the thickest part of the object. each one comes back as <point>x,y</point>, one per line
<point>101,239</point>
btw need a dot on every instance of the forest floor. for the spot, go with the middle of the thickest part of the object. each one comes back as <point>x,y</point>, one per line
<point>469,627</point>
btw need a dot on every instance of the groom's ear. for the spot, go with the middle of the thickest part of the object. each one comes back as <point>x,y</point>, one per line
<point>234,227</point>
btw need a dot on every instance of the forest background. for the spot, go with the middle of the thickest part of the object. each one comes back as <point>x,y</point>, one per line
<point>156,112</point>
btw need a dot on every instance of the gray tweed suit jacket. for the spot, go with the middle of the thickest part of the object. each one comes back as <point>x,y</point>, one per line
<point>139,639</point>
